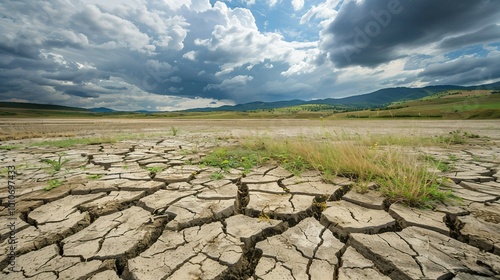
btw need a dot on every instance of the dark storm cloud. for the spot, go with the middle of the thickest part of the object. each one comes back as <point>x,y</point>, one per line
<point>81,93</point>
<point>488,34</point>
<point>370,33</point>
<point>464,71</point>
<point>115,88</point>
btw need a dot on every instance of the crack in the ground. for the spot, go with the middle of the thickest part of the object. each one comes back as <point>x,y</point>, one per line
<point>291,202</point>
<point>352,215</point>
<point>265,173</point>
<point>314,251</point>
<point>165,208</point>
<point>415,257</point>
<point>175,269</point>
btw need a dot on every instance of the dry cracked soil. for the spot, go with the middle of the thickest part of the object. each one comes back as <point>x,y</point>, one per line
<point>113,219</point>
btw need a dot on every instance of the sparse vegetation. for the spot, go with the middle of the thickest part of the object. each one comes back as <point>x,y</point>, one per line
<point>174,130</point>
<point>52,184</point>
<point>217,176</point>
<point>9,147</point>
<point>155,169</point>
<point>440,165</point>
<point>56,164</point>
<point>234,157</point>
<point>94,176</point>
<point>109,139</point>
<point>457,137</point>
<point>402,177</point>
<point>69,142</point>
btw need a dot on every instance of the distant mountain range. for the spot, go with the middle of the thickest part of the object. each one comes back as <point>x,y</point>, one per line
<point>102,110</point>
<point>374,99</point>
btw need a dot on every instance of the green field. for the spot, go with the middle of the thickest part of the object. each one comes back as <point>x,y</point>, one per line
<point>445,105</point>
<point>465,104</point>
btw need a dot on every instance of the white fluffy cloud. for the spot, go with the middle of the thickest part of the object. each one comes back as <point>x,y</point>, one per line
<point>297,4</point>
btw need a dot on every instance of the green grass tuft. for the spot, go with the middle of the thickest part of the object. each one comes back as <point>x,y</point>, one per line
<point>52,184</point>
<point>217,176</point>
<point>174,130</point>
<point>9,147</point>
<point>155,169</point>
<point>56,164</point>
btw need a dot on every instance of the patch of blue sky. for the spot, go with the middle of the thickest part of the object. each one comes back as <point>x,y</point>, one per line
<point>495,45</point>
<point>476,50</point>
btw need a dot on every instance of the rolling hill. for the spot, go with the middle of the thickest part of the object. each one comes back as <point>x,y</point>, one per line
<point>431,101</point>
<point>379,98</point>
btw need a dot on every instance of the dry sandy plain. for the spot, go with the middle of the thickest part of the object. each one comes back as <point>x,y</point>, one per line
<point>111,219</point>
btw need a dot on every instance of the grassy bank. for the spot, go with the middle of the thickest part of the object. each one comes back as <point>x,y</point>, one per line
<point>401,176</point>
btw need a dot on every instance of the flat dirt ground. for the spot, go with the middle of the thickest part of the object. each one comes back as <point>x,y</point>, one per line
<point>145,208</point>
<point>242,127</point>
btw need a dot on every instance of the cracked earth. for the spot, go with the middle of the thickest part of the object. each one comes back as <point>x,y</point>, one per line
<point>113,219</point>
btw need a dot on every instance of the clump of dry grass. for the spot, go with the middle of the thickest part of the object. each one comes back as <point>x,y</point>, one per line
<point>401,176</point>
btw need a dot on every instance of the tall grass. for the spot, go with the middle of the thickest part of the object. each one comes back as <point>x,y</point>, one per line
<point>402,176</point>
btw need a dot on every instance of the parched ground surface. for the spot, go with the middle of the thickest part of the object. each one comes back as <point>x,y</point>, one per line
<point>113,219</point>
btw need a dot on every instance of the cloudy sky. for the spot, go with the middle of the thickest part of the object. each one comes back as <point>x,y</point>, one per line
<point>179,54</point>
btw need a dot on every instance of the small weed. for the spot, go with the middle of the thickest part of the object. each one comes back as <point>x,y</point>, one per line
<point>56,164</point>
<point>94,176</point>
<point>52,184</point>
<point>174,130</point>
<point>155,169</point>
<point>217,176</point>
<point>452,157</point>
